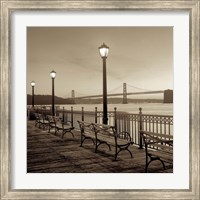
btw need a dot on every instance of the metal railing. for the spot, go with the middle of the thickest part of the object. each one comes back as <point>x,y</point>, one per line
<point>123,121</point>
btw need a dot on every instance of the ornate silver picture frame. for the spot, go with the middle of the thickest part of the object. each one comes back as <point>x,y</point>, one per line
<point>8,7</point>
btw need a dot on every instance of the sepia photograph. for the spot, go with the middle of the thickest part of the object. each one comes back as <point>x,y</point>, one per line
<point>100,99</point>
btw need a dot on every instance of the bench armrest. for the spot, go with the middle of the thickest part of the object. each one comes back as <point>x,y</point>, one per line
<point>66,122</point>
<point>124,135</point>
<point>153,138</point>
<point>157,140</point>
<point>169,142</point>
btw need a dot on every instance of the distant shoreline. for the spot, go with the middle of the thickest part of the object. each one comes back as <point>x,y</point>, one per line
<point>46,100</point>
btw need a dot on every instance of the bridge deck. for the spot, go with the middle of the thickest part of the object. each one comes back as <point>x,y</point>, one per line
<point>47,153</point>
<point>120,94</point>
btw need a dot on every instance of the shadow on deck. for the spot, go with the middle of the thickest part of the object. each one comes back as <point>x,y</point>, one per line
<point>48,153</point>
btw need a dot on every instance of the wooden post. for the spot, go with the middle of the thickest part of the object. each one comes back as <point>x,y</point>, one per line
<point>45,111</point>
<point>41,109</point>
<point>115,118</point>
<point>72,115</point>
<point>63,117</point>
<point>82,113</point>
<point>140,128</point>
<point>95,120</point>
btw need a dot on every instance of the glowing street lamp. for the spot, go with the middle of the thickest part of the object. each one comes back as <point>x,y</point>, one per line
<point>103,50</point>
<point>53,75</point>
<point>33,85</point>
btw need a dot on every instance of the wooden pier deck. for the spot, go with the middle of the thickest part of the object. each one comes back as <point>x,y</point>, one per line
<point>49,153</point>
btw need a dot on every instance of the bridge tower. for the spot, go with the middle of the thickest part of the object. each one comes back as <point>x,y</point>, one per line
<point>124,94</point>
<point>73,97</point>
<point>168,96</point>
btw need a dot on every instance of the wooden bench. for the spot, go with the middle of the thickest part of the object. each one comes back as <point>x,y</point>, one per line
<point>37,119</point>
<point>157,147</point>
<point>41,121</point>
<point>105,134</point>
<point>58,124</point>
<point>52,124</point>
<point>87,132</point>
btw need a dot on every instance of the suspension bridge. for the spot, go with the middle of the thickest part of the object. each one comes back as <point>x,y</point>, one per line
<point>167,94</point>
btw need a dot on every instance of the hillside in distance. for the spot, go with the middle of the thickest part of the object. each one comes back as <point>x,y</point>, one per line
<point>47,100</point>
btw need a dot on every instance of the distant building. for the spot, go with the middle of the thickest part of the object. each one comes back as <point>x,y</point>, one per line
<point>168,96</point>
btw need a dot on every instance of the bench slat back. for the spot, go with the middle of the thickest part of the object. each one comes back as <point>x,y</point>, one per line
<point>50,119</point>
<point>104,130</point>
<point>57,120</point>
<point>158,141</point>
<point>86,127</point>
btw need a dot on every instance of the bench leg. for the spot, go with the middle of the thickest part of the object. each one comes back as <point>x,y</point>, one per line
<point>130,153</point>
<point>83,138</point>
<point>56,130</point>
<point>116,153</point>
<point>163,164</point>
<point>121,148</point>
<point>153,159</point>
<point>44,126</point>
<point>39,126</point>
<point>36,123</point>
<point>147,164</point>
<point>49,128</point>
<point>146,167</point>
<point>98,143</point>
<point>65,131</point>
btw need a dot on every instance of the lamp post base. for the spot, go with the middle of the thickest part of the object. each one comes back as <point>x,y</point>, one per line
<point>105,120</point>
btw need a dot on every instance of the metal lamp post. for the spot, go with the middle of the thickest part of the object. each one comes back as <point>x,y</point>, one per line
<point>33,85</point>
<point>53,75</point>
<point>103,50</point>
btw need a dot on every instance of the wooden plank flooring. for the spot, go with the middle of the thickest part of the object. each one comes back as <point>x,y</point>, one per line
<point>48,153</point>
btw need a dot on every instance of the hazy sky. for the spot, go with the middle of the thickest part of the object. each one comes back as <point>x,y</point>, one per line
<point>139,56</point>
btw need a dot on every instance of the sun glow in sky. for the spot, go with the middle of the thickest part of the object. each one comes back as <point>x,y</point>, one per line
<point>139,56</point>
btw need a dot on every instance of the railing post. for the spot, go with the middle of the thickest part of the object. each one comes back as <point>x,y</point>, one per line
<point>45,111</point>
<point>55,111</point>
<point>82,113</point>
<point>41,109</point>
<point>63,117</point>
<point>140,128</point>
<point>115,118</point>
<point>95,118</point>
<point>72,116</point>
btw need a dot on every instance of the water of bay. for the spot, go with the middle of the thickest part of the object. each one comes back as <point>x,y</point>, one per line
<point>147,108</point>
